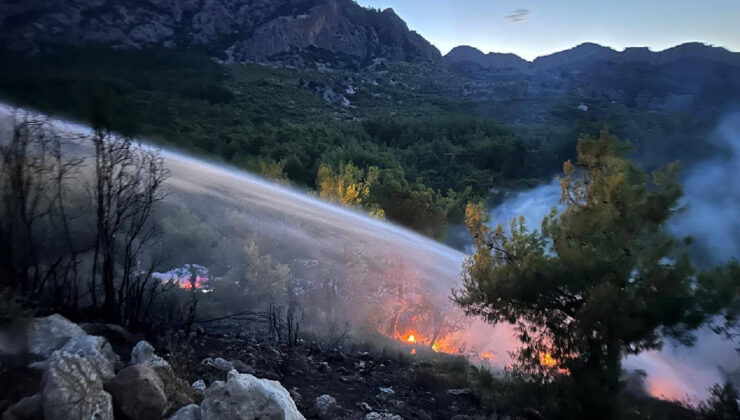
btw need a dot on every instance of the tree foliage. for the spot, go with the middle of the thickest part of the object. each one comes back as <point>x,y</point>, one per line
<point>600,280</point>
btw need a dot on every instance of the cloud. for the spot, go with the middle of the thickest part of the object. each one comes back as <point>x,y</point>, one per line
<point>517,15</point>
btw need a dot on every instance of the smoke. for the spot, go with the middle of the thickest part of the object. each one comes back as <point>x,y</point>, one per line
<point>711,202</point>
<point>712,198</point>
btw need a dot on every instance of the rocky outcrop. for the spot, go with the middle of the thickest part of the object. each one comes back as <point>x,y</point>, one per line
<point>138,393</point>
<point>245,397</point>
<point>285,31</point>
<point>73,389</point>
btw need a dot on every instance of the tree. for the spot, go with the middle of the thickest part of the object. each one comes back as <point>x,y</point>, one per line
<point>600,280</point>
<point>128,182</point>
<point>722,403</point>
<point>349,186</point>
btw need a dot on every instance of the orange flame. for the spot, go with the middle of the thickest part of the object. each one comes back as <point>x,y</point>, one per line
<point>547,360</point>
<point>411,339</point>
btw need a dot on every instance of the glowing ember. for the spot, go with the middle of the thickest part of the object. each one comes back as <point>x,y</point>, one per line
<point>487,355</point>
<point>435,347</point>
<point>411,339</point>
<point>413,351</point>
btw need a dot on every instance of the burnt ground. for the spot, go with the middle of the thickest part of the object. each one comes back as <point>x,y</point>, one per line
<point>360,377</point>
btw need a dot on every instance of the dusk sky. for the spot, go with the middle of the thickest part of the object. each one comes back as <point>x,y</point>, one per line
<point>531,28</point>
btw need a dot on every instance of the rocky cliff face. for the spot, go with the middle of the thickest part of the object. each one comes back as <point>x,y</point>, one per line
<point>282,31</point>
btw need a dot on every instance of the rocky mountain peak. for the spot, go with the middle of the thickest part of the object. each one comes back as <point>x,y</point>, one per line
<point>296,32</point>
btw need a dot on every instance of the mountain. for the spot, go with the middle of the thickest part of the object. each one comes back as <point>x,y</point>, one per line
<point>590,53</point>
<point>289,32</point>
<point>465,53</point>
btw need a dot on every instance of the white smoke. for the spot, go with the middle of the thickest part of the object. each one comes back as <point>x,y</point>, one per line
<point>712,218</point>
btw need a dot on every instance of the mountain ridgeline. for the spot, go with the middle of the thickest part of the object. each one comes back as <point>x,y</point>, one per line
<point>289,32</point>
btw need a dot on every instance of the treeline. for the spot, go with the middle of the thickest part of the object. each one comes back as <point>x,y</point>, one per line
<point>261,119</point>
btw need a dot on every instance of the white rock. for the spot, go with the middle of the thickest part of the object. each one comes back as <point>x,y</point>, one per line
<point>189,412</point>
<point>74,390</point>
<point>143,353</point>
<point>95,350</point>
<point>245,397</point>
<point>47,335</point>
<point>199,386</point>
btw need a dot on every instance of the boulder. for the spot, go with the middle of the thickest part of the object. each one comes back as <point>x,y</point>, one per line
<point>223,364</point>
<point>325,406</point>
<point>95,350</point>
<point>178,392</point>
<point>382,416</point>
<point>46,335</point>
<point>199,386</point>
<point>28,408</point>
<point>242,367</point>
<point>73,389</point>
<point>138,393</point>
<point>245,397</point>
<point>143,354</point>
<point>189,412</point>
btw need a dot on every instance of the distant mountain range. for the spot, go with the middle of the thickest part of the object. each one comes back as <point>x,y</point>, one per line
<point>590,52</point>
<point>302,33</point>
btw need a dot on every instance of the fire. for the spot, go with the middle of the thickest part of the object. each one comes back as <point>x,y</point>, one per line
<point>487,355</point>
<point>435,347</point>
<point>413,351</point>
<point>547,360</point>
<point>411,339</point>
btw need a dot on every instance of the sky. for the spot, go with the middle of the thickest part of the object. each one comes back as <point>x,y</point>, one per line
<point>530,28</point>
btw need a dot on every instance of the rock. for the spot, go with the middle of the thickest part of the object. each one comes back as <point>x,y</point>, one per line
<point>138,393</point>
<point>459,391</point>
<point>28,408</point>
<point>223,364</point>
<point>120,339</point>
<point>364,406</point>
<point>297,397</point>
<point>47,335</point>
<point>242,367</point>
<point>143,354</point>
<point>95,350</point>
<point>189,412</point>
<point>199,386</point>
<point>382,416</point>
<point>323,367</point>
<point>178,392</point>
<point>325,406</point>
<point>74,390</point>
<point>245,397</point>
